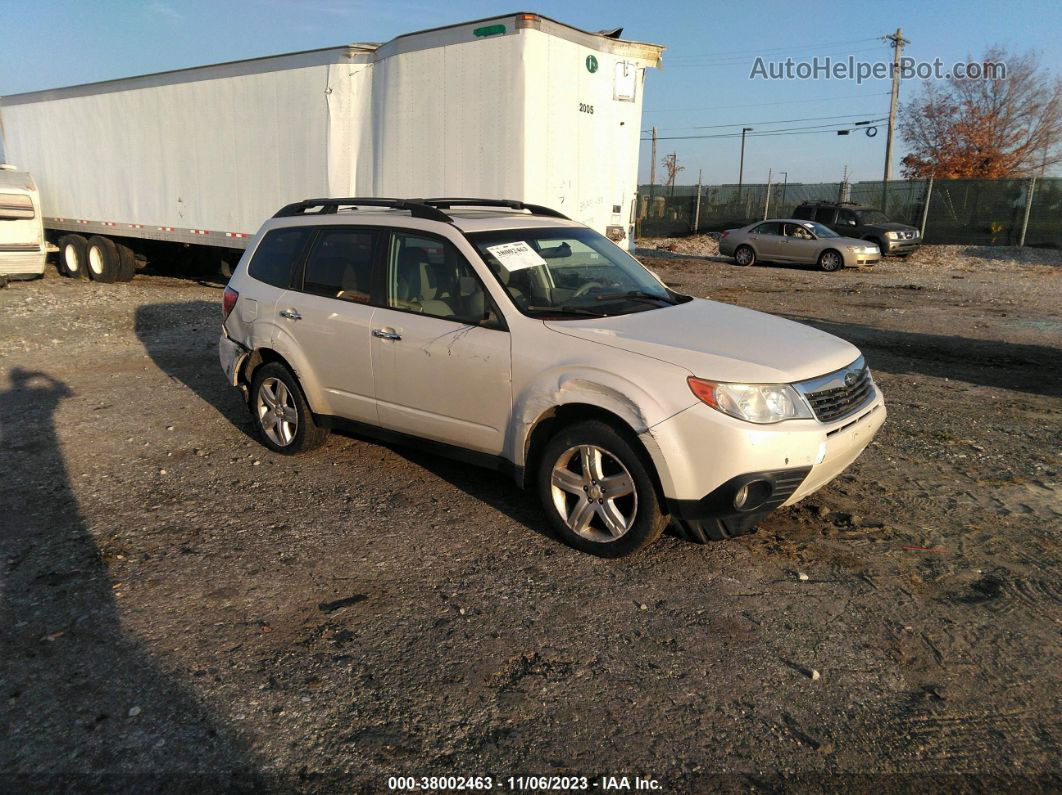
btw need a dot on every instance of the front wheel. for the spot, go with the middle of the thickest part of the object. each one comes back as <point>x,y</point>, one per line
<point>830,261</point>
<point>744,255</point>
<point>597,493</point>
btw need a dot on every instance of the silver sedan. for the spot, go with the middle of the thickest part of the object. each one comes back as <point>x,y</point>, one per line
<point>792,240</point>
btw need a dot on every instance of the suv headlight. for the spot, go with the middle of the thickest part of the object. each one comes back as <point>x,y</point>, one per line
<point>759,403</point>
<point>892,235</point>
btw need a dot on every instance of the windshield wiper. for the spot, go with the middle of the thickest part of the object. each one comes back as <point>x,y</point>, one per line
<point>565,310</point>
<point>635,295</point>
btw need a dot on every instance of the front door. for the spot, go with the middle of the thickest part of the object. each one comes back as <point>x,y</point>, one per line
<point>329,317</point>
<point>440,354</point>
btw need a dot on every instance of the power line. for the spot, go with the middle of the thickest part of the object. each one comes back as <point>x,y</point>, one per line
<point>776,121</point>
<point>874,124</point>
<point>765,104</point>
<point>777,49</point>
<point>739,61</point>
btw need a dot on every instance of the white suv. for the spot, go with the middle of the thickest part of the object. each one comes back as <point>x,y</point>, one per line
<point>504,334</point>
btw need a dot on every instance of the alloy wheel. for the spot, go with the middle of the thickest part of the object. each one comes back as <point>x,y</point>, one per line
<point>594,493</point>
<point>275,407</point>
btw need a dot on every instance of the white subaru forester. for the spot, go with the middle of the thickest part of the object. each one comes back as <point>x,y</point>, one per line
<point>504,334</point>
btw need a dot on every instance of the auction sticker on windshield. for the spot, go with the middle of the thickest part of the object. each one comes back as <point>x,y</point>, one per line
<point>516,256</point>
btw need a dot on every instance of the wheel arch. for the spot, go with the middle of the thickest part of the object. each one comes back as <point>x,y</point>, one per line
<point>556,418</point>
<point>264,355</point>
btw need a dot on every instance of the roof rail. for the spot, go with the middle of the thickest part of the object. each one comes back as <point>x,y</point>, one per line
<point>415,208</point>
<point>446,203</point>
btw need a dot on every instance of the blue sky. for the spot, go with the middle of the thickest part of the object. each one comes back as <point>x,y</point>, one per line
<point>704,83</point>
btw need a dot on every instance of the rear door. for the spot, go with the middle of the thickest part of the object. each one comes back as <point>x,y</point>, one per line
<point>440,351</point>
<point>826,216</point>
<point>327,319</point>
<point>767,240</point>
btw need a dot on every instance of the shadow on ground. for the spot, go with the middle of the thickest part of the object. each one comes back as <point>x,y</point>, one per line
<point>1036,369</point>
<point>85,706</point>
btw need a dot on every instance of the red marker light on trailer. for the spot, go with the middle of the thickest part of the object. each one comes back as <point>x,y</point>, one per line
<point>228,303</point>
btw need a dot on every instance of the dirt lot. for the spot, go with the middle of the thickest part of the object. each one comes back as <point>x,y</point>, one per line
<point>178,604</point>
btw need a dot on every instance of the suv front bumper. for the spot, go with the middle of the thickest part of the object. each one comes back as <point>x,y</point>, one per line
<point>897,248</point>
<point>704,457</point>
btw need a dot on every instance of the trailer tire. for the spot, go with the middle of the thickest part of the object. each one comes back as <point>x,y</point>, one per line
<point>127,263</point>
<point>73,256</point>
<point>103,262</point>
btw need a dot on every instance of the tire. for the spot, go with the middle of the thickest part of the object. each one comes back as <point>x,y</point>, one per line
<point>228,266</point>
<point>274,384</point>
<point>743,253</point>
<point>103,263</point>
<point>126,262</point>
<point>635,514</point>
<point>705,531</point>
<point>73,256</point>
<point>831,260</point>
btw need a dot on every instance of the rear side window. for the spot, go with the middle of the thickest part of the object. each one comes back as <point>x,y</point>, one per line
<point>769,228</point>
<point>824,215</point>
<point>278,254</point>
<point>340,265</point>
<point>802,212</point>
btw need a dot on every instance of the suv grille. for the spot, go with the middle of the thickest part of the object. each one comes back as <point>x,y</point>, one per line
<point>833,404</point>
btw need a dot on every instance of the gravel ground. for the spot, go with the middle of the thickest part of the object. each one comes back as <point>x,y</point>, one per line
<point>180,606</point>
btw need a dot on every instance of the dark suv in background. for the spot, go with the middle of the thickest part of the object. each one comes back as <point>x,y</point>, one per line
<point>855,220</point>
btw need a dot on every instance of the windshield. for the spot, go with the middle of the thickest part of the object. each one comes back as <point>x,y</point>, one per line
<point>819,229</point>
<point>570,272</point>
<point>873,217</point>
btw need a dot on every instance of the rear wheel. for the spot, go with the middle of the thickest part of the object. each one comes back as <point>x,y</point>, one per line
<point>73,253</point>
<point>281,414</point>
<point>744,255</point>
<point>830,260</point>
<point>597,493</point>
<point>103,263</point>
<point>126,263</point>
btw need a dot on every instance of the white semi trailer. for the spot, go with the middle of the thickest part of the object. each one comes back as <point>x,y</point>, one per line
<point>184,166</point>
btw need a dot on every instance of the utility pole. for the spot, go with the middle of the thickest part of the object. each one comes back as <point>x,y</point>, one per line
<point>741,167</point>
<point>697,212</point>
<point>652,167</point>
<point>897,41</point>
<point>785,181</point>
<point>767,198</point>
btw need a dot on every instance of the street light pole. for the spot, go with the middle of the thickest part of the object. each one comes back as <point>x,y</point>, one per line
<point>741,167</point>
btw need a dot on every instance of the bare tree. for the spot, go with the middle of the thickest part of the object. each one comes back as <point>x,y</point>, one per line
<point>672,167</point>
<point>993,127</point>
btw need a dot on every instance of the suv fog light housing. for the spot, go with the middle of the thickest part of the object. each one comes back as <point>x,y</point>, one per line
<point>752,495</point>
<point>760,403</point>
<point>741,497</point>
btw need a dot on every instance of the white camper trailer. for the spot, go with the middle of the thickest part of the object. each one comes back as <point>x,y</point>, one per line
<point>22,250</point>
<point>516,107</point>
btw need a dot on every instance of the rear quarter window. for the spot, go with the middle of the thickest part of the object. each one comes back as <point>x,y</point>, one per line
<point>277,255</point>
<point>802,212</point>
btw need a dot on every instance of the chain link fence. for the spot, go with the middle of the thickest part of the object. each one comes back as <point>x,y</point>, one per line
<point>963,211</point>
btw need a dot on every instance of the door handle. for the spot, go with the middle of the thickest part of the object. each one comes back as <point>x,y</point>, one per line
<point>290,314</point>
<point>386,334</point>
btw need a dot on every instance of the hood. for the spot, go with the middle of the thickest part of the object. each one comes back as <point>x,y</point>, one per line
<point>847,241</point>
<point>892,226</point>
<point>720,342</point>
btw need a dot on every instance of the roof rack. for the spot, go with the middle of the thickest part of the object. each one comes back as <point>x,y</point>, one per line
<point>446,203</point>
<point>415,207</point>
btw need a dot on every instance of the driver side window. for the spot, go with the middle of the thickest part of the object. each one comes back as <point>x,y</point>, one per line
<point>428,276</point>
